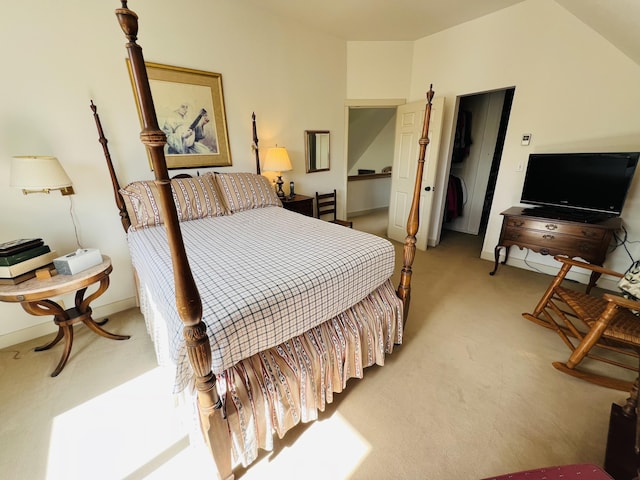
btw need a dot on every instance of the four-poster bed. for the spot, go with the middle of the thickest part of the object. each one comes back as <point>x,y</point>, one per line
<point>263,328</point>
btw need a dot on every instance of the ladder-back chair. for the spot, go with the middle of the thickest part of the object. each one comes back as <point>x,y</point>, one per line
<point>586,321</point>
<point>326,204</point>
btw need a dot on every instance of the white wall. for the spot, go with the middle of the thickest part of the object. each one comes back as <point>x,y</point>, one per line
<point>379,69</point>
<point>574,91</point>
<point>60,55</point>
<point>366,196</point>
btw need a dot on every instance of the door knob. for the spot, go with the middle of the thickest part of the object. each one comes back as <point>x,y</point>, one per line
<point>427,189</point>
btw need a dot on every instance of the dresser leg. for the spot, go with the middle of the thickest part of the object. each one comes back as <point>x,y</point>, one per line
<point>593,279</point>
<point>496,253</point>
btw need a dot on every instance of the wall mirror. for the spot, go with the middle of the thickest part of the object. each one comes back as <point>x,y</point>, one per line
<point>316,143</point>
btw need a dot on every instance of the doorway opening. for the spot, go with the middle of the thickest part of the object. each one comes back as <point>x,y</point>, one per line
<point>481,125</point>
<point>369,153</point>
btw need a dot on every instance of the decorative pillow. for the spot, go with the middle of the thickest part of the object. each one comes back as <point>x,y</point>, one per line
<point>244,191</point>
<point>630,283</point>
<point>195,198</point>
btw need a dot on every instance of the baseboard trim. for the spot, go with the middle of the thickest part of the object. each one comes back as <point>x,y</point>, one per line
<point>47,327</point>
<point>605,282</point>
<point>359,213</point>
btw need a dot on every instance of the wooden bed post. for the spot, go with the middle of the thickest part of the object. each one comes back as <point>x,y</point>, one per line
<point>413,222</point>
<point>124,215</point>
<point>255,142</point>
<point>189,305</point>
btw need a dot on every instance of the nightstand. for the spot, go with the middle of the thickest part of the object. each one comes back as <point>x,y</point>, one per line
<point>299,204</point>
<point>34,296</point>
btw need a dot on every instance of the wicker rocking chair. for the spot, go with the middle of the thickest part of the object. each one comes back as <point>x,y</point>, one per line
<point>585,321</point>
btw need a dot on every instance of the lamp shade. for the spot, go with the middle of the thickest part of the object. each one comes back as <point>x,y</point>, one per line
<point>38,173</point>
<point>277,160</point>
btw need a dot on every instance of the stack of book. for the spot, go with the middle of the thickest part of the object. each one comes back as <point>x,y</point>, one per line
<point>19,259</point>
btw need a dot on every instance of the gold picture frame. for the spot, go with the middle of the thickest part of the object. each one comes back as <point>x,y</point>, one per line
<point>189,106</point>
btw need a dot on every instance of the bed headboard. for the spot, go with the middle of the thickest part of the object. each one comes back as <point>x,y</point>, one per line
<point>120,202</point>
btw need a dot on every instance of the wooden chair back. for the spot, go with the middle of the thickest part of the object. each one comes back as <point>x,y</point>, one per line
<point>326,204</point>
<point>588,320</point>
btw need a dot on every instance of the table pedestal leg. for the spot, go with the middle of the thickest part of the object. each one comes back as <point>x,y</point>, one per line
<point>96,327</point>
<point>65,319</point>
<point>102,322</point>
<point>52,342</point>
<point>67,332</point>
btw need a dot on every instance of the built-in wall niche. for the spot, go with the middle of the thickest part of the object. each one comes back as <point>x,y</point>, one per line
<point>371,139</point>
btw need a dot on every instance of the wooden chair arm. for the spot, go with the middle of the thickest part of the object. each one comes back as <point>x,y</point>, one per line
<point>622,302</point>
<point>588,266</point>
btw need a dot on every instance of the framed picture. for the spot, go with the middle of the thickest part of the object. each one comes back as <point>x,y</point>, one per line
<point>190,109</point>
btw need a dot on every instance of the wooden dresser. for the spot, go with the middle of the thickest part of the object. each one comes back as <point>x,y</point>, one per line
<point>551,236</point>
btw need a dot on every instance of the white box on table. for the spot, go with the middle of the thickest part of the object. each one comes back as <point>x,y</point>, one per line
<point>77,261</point>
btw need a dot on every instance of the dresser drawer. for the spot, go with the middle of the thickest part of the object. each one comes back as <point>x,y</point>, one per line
<point>553,226</point>
<point>550,236</point>
<point>551,242</point>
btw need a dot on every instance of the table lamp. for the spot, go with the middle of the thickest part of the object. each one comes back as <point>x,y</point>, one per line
<point>277,161</point>
<point>39,174</point>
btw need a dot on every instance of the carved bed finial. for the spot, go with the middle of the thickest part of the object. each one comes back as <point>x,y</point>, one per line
<point>430,93</point>
<point>128,20</point>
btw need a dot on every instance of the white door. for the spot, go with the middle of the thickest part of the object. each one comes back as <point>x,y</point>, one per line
<point>409,122</point>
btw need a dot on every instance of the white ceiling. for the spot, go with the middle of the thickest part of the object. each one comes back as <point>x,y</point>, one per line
<point>616,20</point>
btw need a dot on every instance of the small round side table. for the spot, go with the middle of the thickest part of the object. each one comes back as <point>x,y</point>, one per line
<point>34,296</point>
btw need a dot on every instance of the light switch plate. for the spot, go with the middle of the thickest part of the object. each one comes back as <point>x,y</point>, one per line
<point>526,139</point>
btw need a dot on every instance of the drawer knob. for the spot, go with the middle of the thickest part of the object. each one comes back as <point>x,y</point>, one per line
<point>589,233</point>
<point>518,223</point>
<point>548,237</point>
<point>551,226</point>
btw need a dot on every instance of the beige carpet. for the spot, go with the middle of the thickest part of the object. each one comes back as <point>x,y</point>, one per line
<point>471,393</point>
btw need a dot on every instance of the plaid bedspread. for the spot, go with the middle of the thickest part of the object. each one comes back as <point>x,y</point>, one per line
<point>264,276</point>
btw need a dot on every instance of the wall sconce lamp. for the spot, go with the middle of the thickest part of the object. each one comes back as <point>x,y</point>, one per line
<point>277,161</point>
<point>39,174</point>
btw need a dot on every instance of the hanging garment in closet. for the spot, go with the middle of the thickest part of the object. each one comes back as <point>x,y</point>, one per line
<point>455,199</point>
<point>462,139</point>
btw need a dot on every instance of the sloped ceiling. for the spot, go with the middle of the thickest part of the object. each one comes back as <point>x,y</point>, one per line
<point>365,124</point>
<point>370,20</point>
<point>616,20</point>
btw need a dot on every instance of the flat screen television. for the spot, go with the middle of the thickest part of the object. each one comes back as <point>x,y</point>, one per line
<point>575,183</point>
